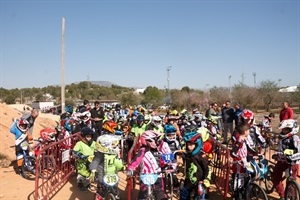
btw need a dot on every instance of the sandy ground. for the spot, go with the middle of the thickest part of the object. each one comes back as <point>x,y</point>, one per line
<point>14,187</point>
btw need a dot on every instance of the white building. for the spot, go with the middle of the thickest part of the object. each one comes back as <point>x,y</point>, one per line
<point>42,105</point>
<point>289,89</point>
<point>140,90</point>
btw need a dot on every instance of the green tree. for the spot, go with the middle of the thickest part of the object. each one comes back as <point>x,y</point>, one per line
<point>244,94</point>
<point>39,97</point>
<point>186,89</point>
<point>130,98</point>
<point>268,92</point>
<point>152,96</point>
<point>10,99</point>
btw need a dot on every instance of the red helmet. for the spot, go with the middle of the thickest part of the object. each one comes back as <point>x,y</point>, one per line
<point>247,114</point>
<point>23,125</point>
<point>48,134</point>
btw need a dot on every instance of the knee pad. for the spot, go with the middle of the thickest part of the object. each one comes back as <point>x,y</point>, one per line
<point>184,193</point>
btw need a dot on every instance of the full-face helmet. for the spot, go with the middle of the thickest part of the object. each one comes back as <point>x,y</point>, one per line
<point>257,170</point>
<point>22,125</point>
<point>108,144</point>
<point>85,116</point>
<point>69,109</point>
<point>213,119</point>
<point>140,119</point>
<point>170,133</point>
<point>247,115</point>
<point>48,134</point>
<point>291,125</point>
<point>110,126</point>
<point>149,139</point>
<point>156,120</point>
<point>147,118</point>
<point>195,138</point>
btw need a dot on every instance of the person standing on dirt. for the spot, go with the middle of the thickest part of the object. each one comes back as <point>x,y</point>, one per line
<point>286,112</point>
<point>237,114</point>
<point>97,116</point>
<point>30,117</point>
<point>228,114</point>
<point>22,137</point>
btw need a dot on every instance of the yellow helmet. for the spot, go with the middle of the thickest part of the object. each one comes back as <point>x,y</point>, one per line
<point>204,133</point>
<point>108,143</point>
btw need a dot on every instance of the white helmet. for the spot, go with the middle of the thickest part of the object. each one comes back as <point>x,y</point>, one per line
<point>290,123</point>
<point>108,144</point>
<point>85,116</point>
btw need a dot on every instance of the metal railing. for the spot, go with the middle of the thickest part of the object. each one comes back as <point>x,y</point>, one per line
<point>55,160</point>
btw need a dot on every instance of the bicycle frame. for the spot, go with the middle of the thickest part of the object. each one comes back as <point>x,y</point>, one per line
<point>149,180</point>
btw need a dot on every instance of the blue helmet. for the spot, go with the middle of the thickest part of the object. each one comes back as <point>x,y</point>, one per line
<point>194,137</point>
<point>169,130</point>
<point>69,109</point>
<point>67,125</point>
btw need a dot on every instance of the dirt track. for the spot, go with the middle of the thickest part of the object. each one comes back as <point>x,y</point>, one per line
<point>13,187</point>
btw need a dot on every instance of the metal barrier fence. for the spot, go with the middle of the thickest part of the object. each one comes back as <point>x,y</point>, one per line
<point>221,168</point>
<point>54,167</point>
<point>131,154</point>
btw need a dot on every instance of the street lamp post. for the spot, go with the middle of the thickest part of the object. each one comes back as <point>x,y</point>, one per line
<point>168,80</point>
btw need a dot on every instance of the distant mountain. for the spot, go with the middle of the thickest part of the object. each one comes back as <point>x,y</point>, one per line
<point>103,83</point>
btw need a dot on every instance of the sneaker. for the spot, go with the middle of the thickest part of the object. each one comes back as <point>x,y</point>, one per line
<point>84,189</point>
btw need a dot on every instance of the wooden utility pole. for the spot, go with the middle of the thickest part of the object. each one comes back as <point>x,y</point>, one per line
<point>63,66</point>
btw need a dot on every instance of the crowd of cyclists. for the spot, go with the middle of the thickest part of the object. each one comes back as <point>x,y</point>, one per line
<point>109,131</point>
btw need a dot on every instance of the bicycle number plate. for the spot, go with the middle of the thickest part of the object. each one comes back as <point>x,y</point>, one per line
<point>111,179</point>
<point>24,145</point>
<point>149,179</point>
<point>168,157</point>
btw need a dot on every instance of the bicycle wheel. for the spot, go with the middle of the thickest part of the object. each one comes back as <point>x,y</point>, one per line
<point>254,191</point>
<point>292,190</point>
<point>28,167</point>
<point>47,167</point>
<point>110,196</point>
<point>268,180</point>
<point>231,188</point>
<point>169,184</point>
<point>180,186</point>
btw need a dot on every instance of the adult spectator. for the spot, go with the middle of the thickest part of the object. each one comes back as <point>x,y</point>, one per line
<point>212,110</point>
<point>97,116</point>
<point>286,112</point>
<point>227,117</point>
<point>238,112</point>
<point>84,107</point>
<point>30,117</point>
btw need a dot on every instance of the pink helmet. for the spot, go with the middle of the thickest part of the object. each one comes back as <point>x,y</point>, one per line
<point>149,138</point>
<point>247,114</point>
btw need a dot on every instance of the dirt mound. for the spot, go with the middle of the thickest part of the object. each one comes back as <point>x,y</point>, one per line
<point>7,114</point>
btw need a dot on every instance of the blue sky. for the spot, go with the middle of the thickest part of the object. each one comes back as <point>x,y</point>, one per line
<point>131,43</point>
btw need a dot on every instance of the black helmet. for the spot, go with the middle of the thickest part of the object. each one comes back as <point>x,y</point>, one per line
<point>87,131</point>
<point>140,118</point>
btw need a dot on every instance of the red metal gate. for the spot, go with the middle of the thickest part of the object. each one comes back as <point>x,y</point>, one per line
<point>57,175</point>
